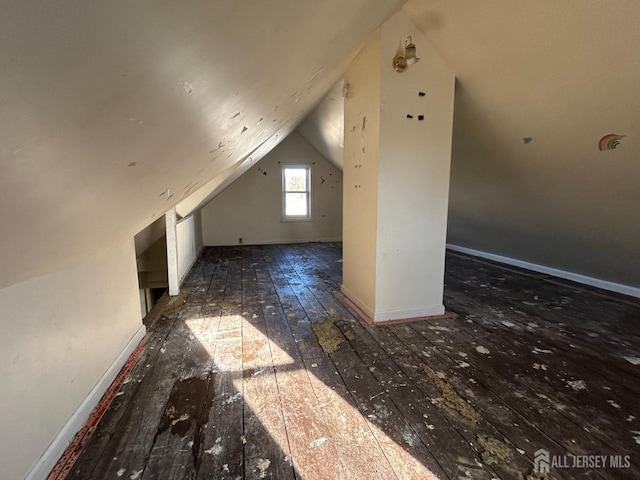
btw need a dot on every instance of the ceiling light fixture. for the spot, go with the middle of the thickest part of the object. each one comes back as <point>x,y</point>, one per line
<point>407,57</point>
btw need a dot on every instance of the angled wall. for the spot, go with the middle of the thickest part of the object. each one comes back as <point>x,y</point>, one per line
<point>539,84</point>
<point>251,207</point>
<point>61,334</point>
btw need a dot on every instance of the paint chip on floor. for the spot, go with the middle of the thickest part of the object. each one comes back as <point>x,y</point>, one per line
<point>540,350</point>
<point>261,466</point>
<point>577,385</point>
<point>216,449</point>
<point>135,475</point>
<point>233,398</point>
<point>318,442</point>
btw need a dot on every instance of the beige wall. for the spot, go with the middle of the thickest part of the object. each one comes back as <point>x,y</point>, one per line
<point>563,74</point>
<point>396,177</point>
<point>251,207</point>
<point>361,150</point>
<point>576,215</point>
<point>61,333</point>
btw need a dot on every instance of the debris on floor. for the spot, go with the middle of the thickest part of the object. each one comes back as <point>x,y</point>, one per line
<point>451,397</point>
<point>493,450</point>
<point>328,336</point>
<point>175,303</point>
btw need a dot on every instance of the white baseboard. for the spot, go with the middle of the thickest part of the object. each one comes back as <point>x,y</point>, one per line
<point>574,277</point>
<point>51,456</point>
<point>281,241</point>
<point>359,303</point>
<point>390,316</point>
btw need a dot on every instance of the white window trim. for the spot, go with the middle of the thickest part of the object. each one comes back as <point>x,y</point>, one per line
<point>296,218</point>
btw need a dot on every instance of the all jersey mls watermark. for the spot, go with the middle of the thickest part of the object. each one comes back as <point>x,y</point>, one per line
<point>543,462</point>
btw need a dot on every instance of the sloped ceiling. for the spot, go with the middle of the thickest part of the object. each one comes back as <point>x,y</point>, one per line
<point>112,112</point>
<point>324,126</point>
<point>539,83</point>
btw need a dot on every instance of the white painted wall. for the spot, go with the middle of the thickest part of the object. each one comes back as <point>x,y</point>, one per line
<point>415,158</point>
<point>361,139</point>
<point>397,177</point>
<point>186,245</point>
<point>251,207</point>
<point>324,126</point>
<point>197,217</point>
<point>61,332</point>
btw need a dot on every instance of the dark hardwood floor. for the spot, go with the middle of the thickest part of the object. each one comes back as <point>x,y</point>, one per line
<point>264,373</point>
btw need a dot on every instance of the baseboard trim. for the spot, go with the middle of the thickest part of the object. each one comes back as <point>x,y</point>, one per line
<point>398,316</point>
<point>364,310</point>
<point>50,457</point>
<point>366,318</point>
<point>574,277</point>
<point>401,316</point>
<point>273,242</point>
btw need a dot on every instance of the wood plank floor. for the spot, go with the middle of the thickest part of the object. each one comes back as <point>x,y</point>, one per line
<point>264,373</point>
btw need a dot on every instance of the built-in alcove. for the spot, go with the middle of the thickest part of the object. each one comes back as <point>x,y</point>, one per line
<point>151,260</point>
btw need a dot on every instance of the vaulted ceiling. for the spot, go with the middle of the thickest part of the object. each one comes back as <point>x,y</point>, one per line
<point>112,112</point>
<point>538,85</point>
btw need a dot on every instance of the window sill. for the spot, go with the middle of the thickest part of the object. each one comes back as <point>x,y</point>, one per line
<point>296,219</point>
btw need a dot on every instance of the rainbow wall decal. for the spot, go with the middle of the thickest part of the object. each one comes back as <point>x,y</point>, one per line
<point>610,142</point>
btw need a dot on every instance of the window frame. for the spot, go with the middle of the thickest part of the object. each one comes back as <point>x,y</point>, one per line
<point>296,218</point>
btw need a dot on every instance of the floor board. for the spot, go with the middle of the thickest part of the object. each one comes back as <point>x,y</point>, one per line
<point>264,372</point>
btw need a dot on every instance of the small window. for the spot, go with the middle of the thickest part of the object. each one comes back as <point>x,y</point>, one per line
<point>296,192</point>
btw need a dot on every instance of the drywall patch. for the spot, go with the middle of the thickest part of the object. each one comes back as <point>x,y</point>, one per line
<point>493,450</point>
<point>327,334</point>
<point>610,141</point>
<point>451,398</point>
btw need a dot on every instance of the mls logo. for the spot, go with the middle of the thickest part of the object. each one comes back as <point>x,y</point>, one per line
<point>541,461</point>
